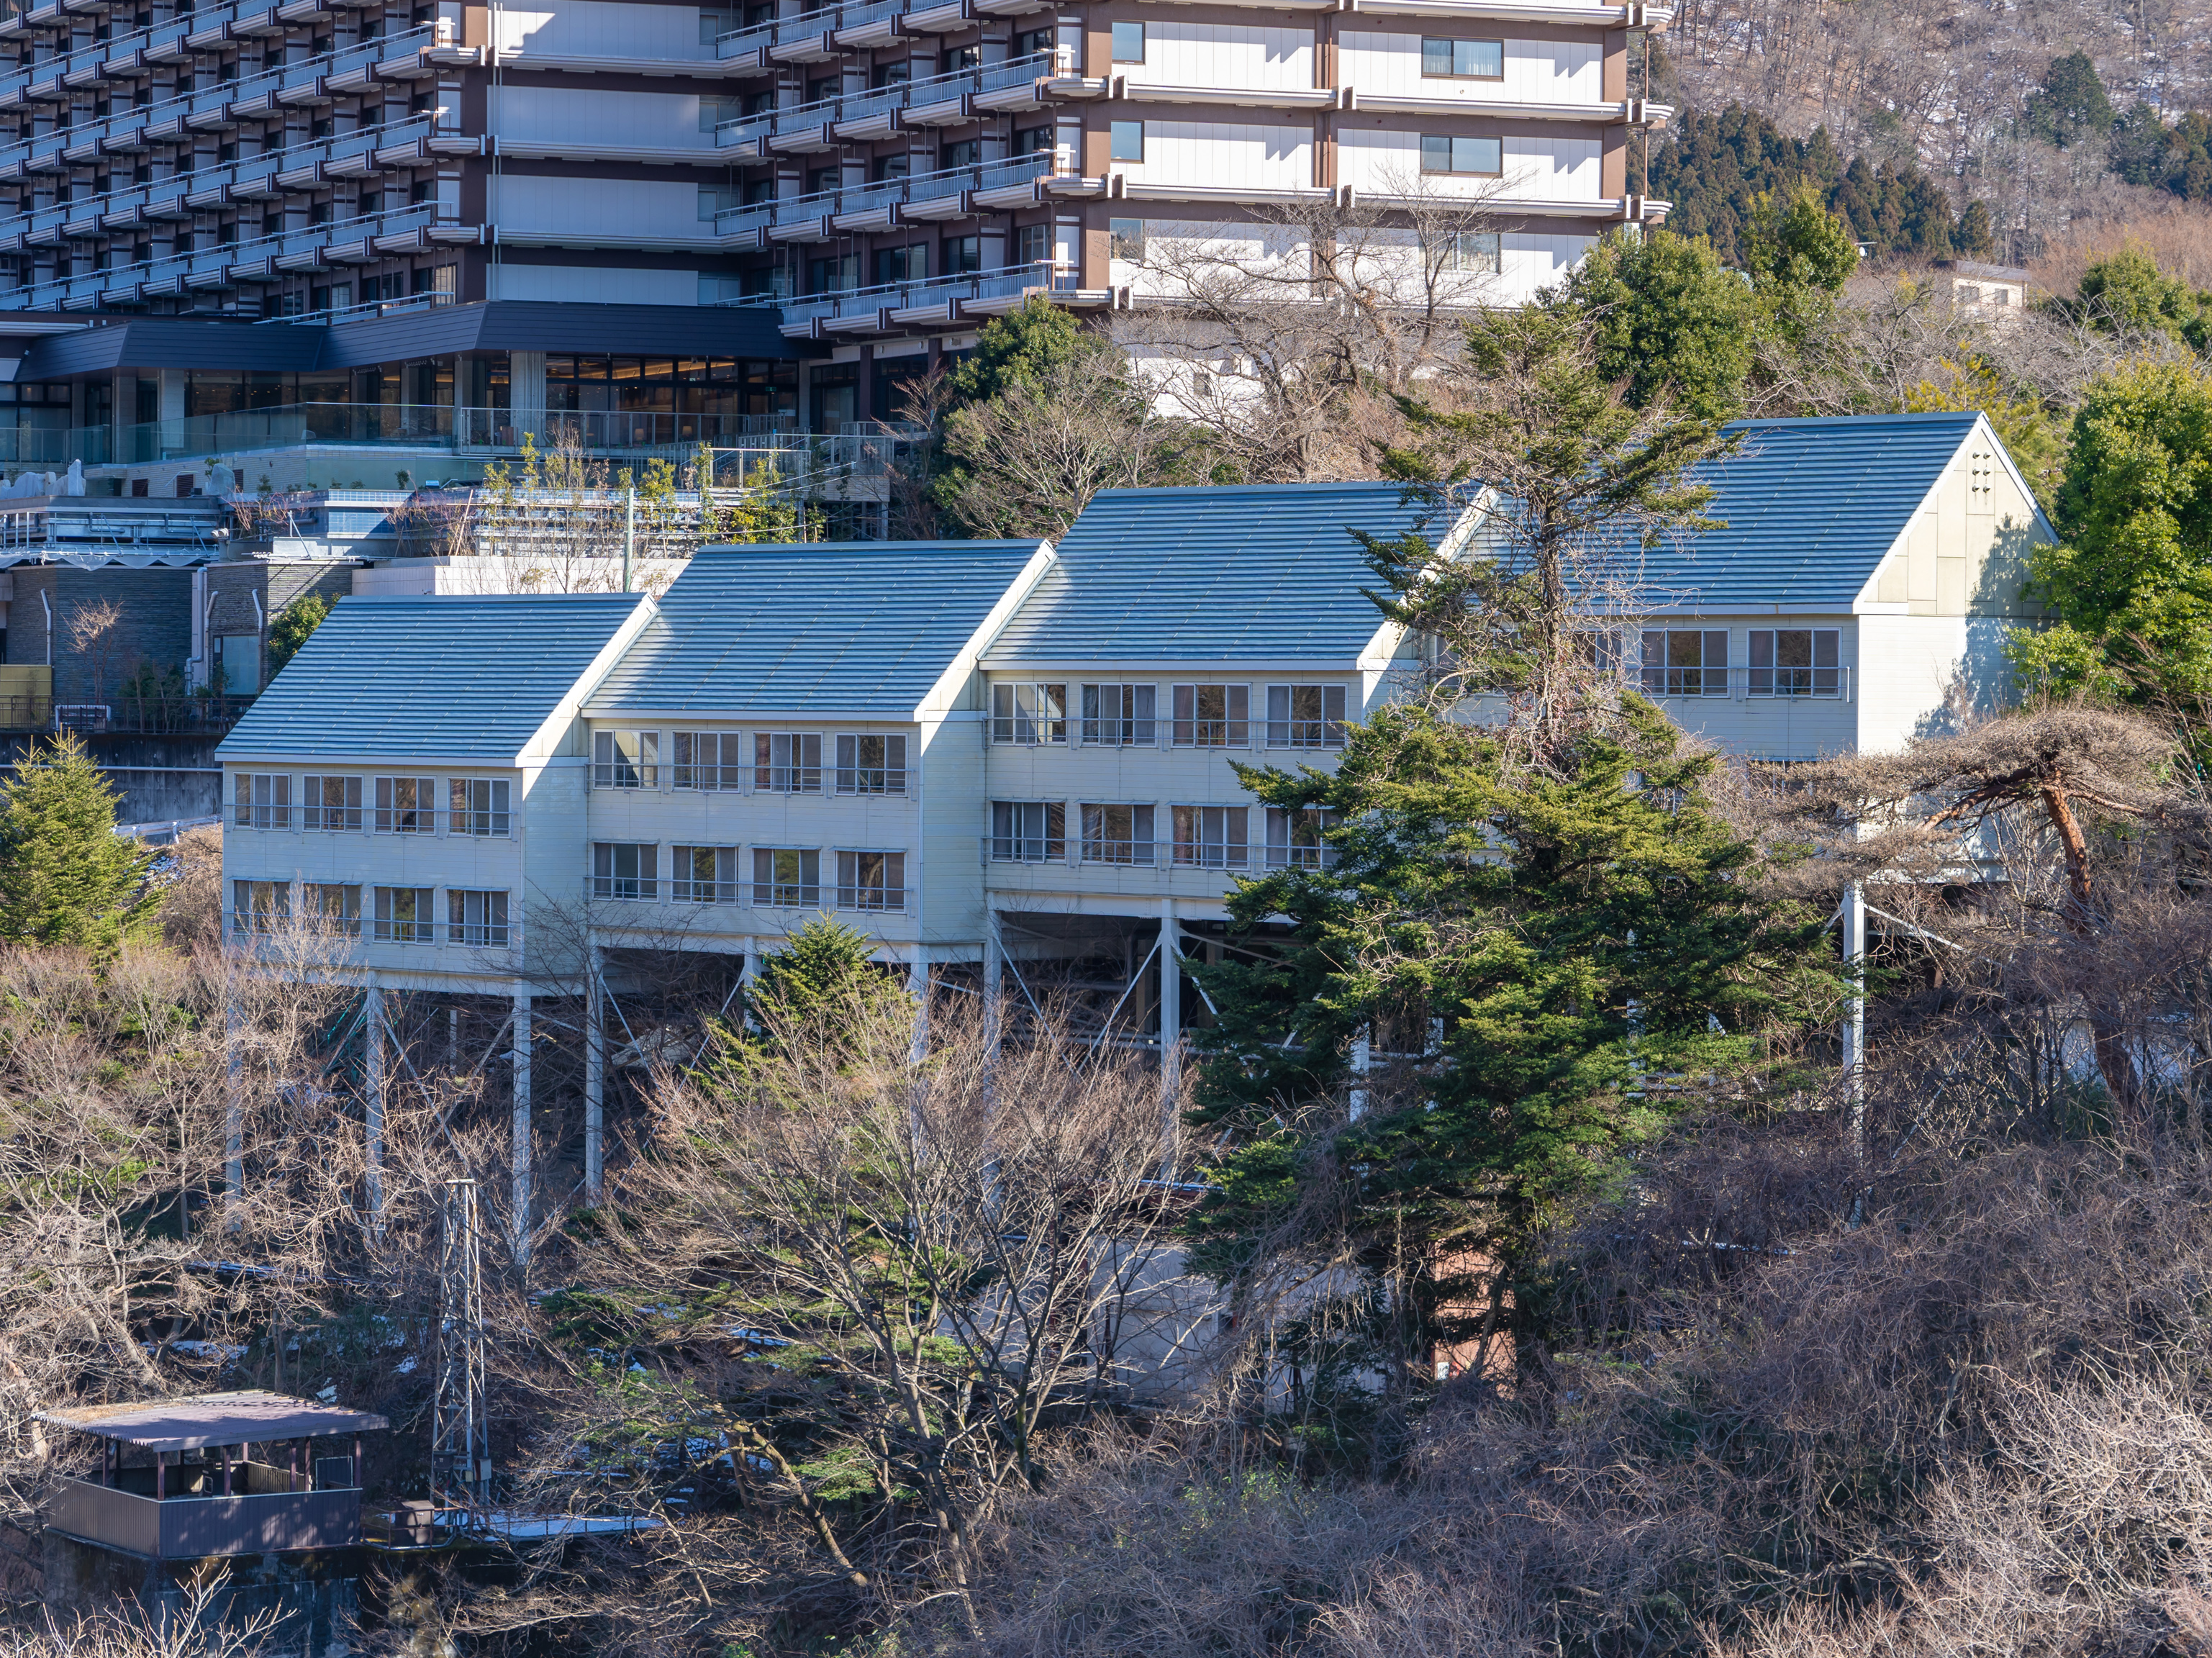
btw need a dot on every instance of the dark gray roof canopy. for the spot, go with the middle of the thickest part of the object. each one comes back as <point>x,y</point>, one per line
<point>187,1425</point>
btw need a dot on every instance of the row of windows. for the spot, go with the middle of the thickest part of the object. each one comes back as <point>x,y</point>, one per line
<point>1458,60</point>
<point>1780,662</point>
<point>783,878</point>
<point>1198,716</point>
<point>387,805</point>
<point>1200,837</point>
<point>397,916</point>
<point>1481,158</point>
<point>780,762</point>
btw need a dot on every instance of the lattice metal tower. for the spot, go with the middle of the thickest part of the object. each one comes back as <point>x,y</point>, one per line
<point>461,1442</point>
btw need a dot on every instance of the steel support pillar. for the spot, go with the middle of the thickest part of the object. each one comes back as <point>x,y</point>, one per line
<point>595,1075</point>
<point>1170,953</point>
<point>371,1094</point>
<point>1854,1032</point>
<point>524,1144</point>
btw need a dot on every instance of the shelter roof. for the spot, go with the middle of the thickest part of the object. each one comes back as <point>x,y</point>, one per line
<point>240,1418</point>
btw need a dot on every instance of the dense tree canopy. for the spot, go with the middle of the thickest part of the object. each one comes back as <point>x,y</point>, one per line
<point>66,877</point>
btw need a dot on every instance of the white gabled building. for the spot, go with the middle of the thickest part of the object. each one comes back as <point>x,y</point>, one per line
<point>1020,759</point>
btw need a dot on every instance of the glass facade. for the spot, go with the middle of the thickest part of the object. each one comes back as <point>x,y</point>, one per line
<point>670,385</point>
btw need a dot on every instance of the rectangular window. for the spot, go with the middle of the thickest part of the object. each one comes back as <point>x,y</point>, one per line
<point>1481,157</point>
<point>1796,662</point>
<point>406,805</point>
<point>787,762</point>
<point>787,878</point>
<point>1686,662</point>
<point>961,256</point>
<point>1295,837</point>
<point>1117,835</point>
<point>335,909</point>
<point>1480,251</point>
<point>1128,43</point>
<point>871,880</point>
<point>623,869</point>
<point>868,764</point>
<point>260,905</point>
<point>1027,831</point>
<point>1211,837</point>
<point>1032,244</point>
<point>1128,141</point>
<point>478,805</point>
<point>332,803</point>
<point>709,760</point>
<point>403,915</point>
<point>265,801</point>
<point>1463,60</point>
<point>703,875</point>
<point>1125,238</point>
<point>1118,716</point>
<point>1028,714</point>
<point>1305,716</point>
<point>626,759</point>
<point>475,918</point>
<point>1213,716</point>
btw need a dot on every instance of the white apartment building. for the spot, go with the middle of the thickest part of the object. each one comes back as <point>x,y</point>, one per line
<point>1018,762</point>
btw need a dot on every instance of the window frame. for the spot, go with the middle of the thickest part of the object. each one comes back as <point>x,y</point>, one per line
<point>1451,141</point>
<point>1125,727</point>
<point>493,820</point>
<point>247,918</point>
<point>343,922</point>
<point>387,928</point>
<point>1812,670</point>
<point>1292,849</point>
<point>1012,838</point>
<point>485,933</point>
<point>688,771</point>
<point>612,769</point>
<point>799,771</point>
<point>386,813</point>
<point>263,800</point>
<point>607,881</point>
<point>316,812</point>
<point>1139,849</point>
<point>1187,729</point>
<point>1119,41</point>
<point>1452,43</point>
<point>852,771</point>
<point>1009,720</point>
<point>722,887</point>
<point>852,893</point>
<point>1667,677</point>
<point>1291,731</point>
<point>805,886</point>
<point>1123,137</point>
<point>1125,240</point>
<point>1189,843</point>
<point>1488,264</point>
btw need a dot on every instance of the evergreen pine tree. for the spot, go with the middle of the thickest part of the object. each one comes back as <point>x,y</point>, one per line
<point>66,877</point>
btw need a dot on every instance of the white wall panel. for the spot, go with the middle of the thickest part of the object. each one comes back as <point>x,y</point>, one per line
<point>1231,153</point>
<point>1545,168</point>
<point>1536,71</point>
<point>616,207</point>
<point>545,115</point>
<point>593,285</point>
<point>1224,55</point>
<point>603,27</point>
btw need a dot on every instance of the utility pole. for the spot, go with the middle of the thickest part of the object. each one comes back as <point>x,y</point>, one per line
<point>460,1440</point>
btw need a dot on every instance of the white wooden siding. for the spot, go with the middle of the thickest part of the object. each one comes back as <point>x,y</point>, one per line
<point>1224,55</point>
<point>1536,71</point>
<point>1545,168</point>
<point>1236,155</point>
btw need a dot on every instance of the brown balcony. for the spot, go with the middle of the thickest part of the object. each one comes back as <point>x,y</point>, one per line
<point>223,1474</point>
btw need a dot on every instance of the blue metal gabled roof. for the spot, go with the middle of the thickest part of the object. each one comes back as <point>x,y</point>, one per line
<point>468,676</point>
<point>1808,507</point>
<point>864,628</point>
<point>1261,571</point>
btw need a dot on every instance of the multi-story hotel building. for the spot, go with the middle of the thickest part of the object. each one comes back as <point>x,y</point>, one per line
<point>450,222</point>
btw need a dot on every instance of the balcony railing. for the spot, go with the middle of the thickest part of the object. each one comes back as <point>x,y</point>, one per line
<point>914,190</point>
<point>1013,281</point>
<point>851,107</point>
<point>196,1528</point>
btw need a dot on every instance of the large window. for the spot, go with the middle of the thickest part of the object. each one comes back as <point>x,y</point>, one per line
<point>1305,716</point>
<point>1483,158</point>
<point>623,869</point>
<point>709,760</point>
<point>478,805</point>
<point>1796,662</point>
<point>869,764</point>
<point>703,875</point>
<point>264,800</point>
<point>406,805</point>
<point>1463,60</point>
<point>403,915</point>
<point>871,880</point>
<point>1027,831</point>
<point>1118,716</point>
<point>335,909</point>
<point>1686,662</point>
<point>260,905</point>
<point>787,762</point>
<point>1029,713</point>
<point>475,918</point>
<point>1213,716</point>
<point>1295,837</point>
<point>626,759</point>
<point>787,878</point>
<point>1117,835</point>
<point>1128,43</point>
<point>1211,837</point>
<point>1126,140</point>
<point>332,803</point>
<point>1482,252</point>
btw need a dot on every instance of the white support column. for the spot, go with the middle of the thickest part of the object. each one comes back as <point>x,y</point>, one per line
<point>995,979</point>
<point>917,984</point>
<point>523,1141</point>
<point>1854,1031</point>
<point>1362,1062</point>
<point>1170,953</point>
<point>595,1075</point>
<point>233,1105</point>
<point>371,1094</point>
